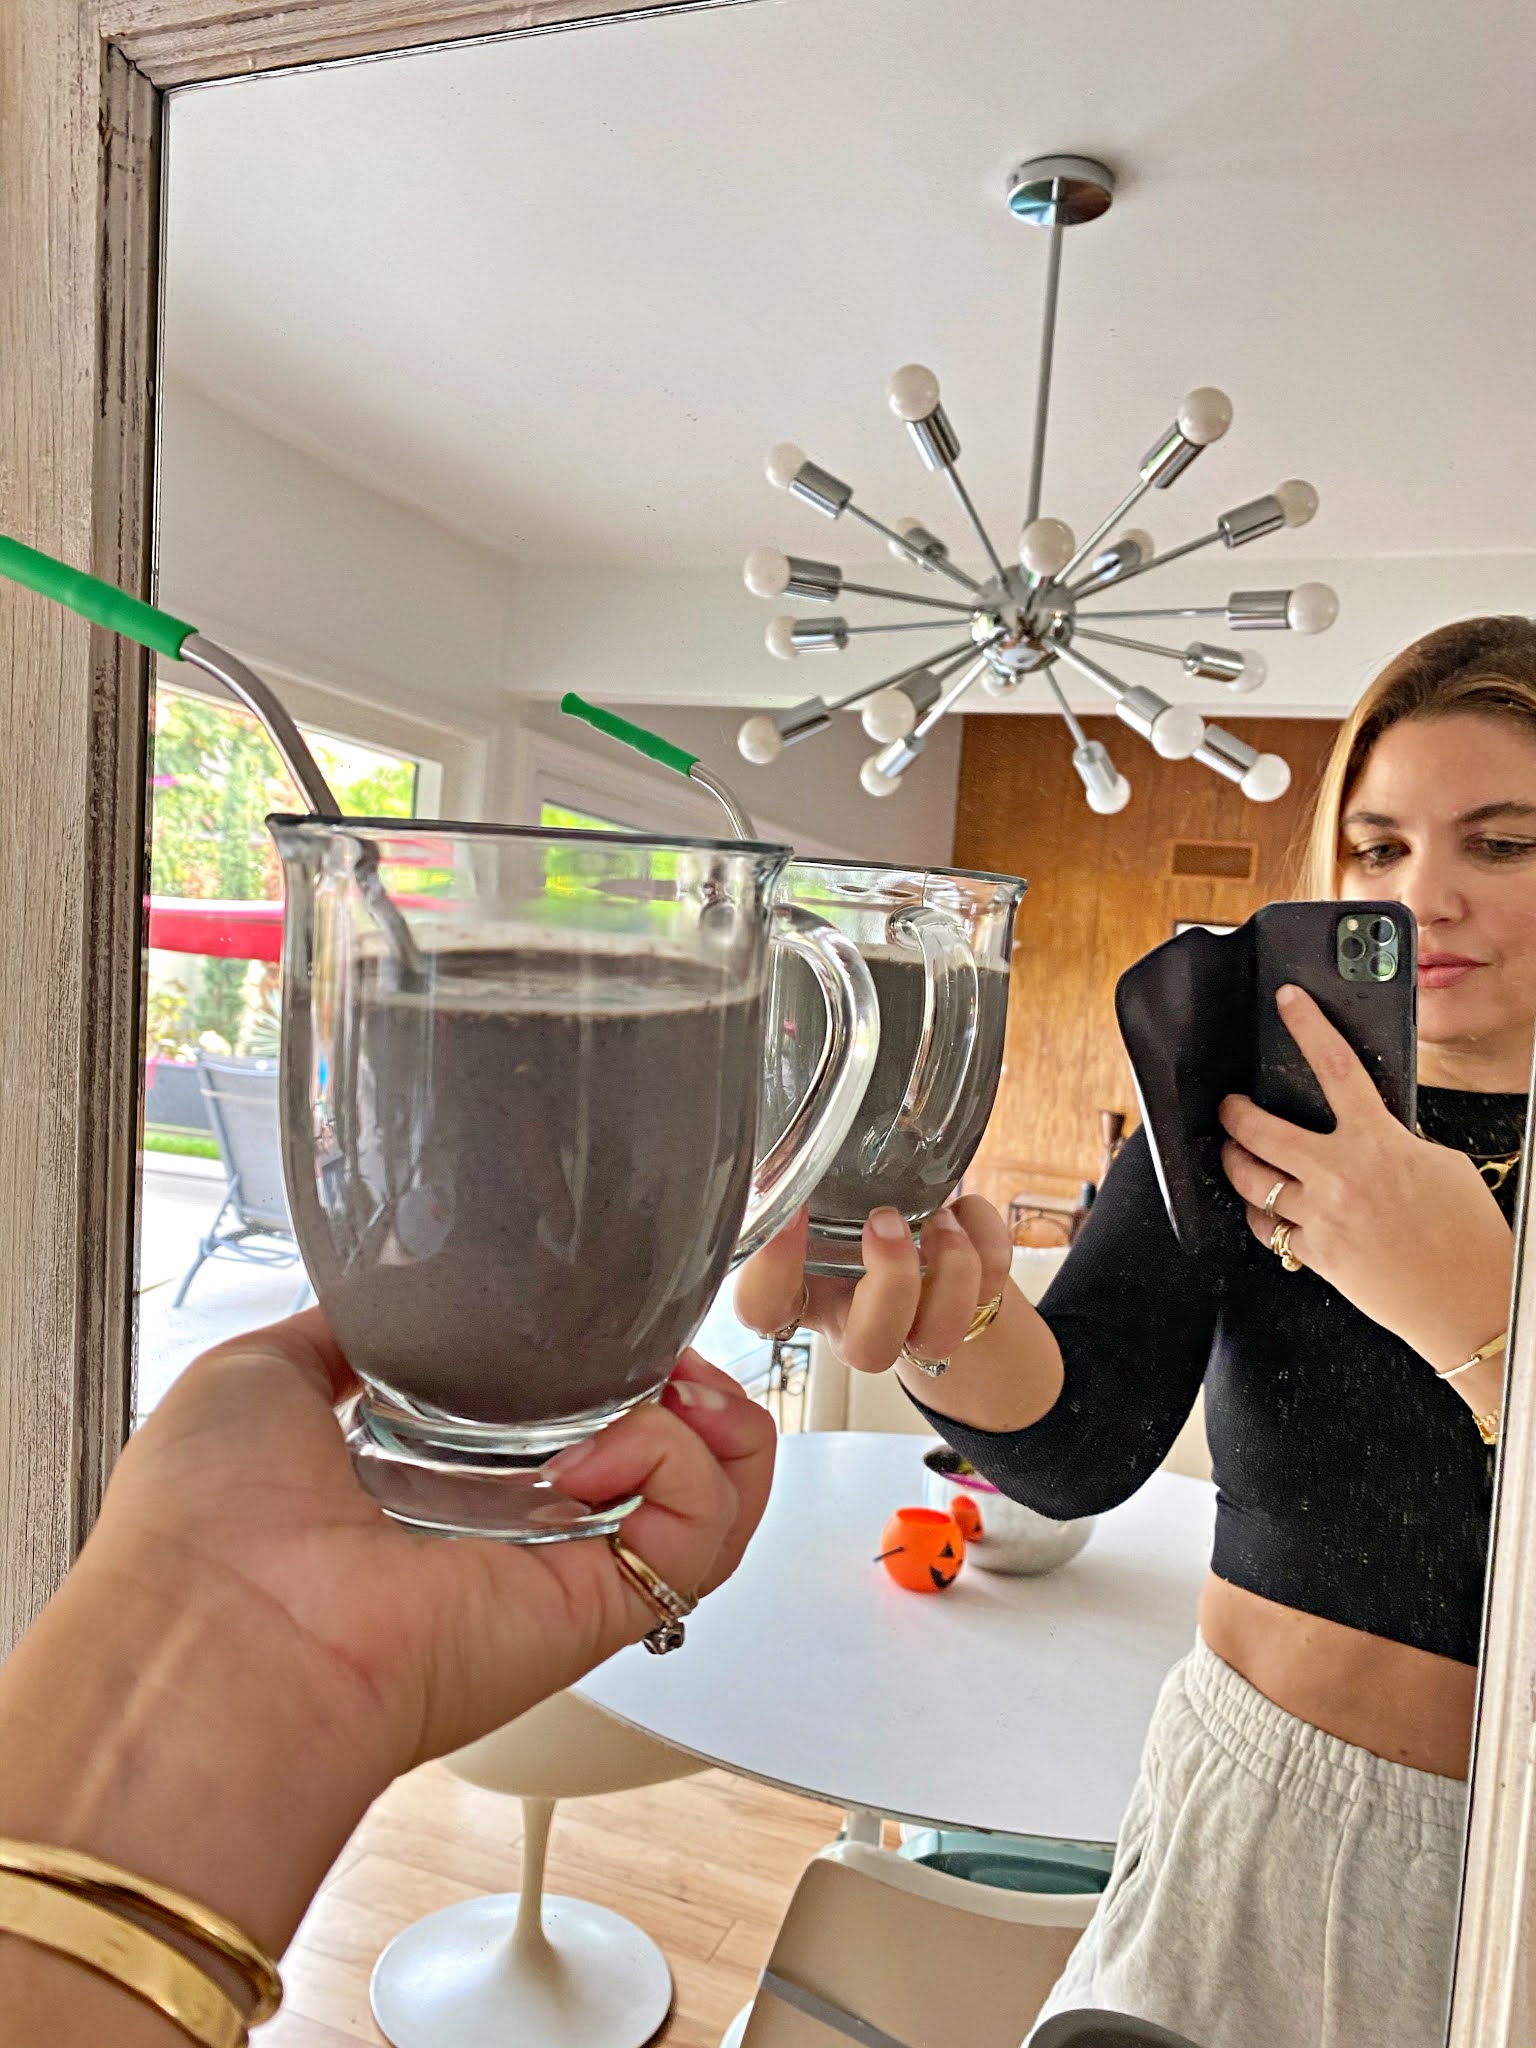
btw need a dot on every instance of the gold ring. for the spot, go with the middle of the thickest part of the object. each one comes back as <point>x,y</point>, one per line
<point>1273,1196</point>
<point>796,1321</point>
<point>673,1607</point>
<point>1280,1245</point>
<point>984,1317</point>
<point>934,1367</point>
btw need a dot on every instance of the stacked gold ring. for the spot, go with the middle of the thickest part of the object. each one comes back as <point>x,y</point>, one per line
<point>983,1319</point>
<point>1280,1245</point>
<point>672,1607</point>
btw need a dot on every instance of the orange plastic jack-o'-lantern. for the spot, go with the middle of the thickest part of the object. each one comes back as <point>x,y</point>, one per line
<point>922,1549</point>
<point>968,1515</point>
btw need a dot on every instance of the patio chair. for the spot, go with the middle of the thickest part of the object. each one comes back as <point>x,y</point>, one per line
<point>253,1223</point>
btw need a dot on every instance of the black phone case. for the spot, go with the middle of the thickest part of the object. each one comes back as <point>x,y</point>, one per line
<point>1295,942</point>
<point>1199,1022</point>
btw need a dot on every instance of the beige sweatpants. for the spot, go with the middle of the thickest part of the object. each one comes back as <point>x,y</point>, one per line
<point>1273,1887</point>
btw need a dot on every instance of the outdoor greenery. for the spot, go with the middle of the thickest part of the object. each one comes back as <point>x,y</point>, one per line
<point>216,777</point>
<point>185,1144</point>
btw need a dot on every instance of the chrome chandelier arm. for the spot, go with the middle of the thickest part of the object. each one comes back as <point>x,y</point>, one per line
<point>958,487</point>
<point>941,563</point>
<point>1188,547</point>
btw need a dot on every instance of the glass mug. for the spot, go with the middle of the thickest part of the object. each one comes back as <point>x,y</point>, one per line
<point>521,1076</point>
<point>937,943</point>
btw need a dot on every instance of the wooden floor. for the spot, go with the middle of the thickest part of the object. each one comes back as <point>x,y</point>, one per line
<point>705,1865</point>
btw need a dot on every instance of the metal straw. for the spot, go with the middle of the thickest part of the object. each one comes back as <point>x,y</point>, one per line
<point>655,748</point>
<point>105,605</point>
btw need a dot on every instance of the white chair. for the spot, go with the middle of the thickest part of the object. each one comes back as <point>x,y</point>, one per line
<point>894,1955</point>
<point>522,1966</point>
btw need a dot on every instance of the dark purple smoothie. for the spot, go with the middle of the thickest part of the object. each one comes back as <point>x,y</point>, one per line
<point>528,1180</point>
<point>881,1164</point>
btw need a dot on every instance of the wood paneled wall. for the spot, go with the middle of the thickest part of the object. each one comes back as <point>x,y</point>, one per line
<point>1102,891</point>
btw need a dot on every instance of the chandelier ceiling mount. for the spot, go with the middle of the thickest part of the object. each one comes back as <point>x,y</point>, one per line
<point>1020,619</point>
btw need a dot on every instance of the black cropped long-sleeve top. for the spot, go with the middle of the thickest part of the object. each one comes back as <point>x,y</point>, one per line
<point>1351,1482</point>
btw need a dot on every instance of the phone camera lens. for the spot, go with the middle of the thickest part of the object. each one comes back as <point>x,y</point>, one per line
<point>1383,931</point>
<point>1351,947</point>
<point>1383,966</point>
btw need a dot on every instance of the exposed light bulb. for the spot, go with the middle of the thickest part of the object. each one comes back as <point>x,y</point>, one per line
<point>875,780</point>
<point>889,715</point>
<point>1176,732</point>
<point>784,463</point>
<point>995,685</point>
<point>1312,608</point>
<point>1115,798</point>
<point>913,392</point>
<point>765,572</point>
<point>1138,537</point>
<point>1204,415</point>
<point>1251,676</point>
<point>1046,546</point>
<point>1297,501</point>
<point>759,740</point>
<point>1106,789</point>
<point>780,638</point>
<point>1268,778</point>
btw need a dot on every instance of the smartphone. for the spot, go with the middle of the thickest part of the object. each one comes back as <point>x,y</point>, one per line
<point>1199,1021</point>
<point>1359,963</point>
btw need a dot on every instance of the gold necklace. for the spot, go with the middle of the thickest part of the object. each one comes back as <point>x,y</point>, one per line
<point>1495,1167</point>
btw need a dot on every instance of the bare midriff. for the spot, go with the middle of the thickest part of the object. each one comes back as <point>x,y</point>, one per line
<point>1409,1706</point>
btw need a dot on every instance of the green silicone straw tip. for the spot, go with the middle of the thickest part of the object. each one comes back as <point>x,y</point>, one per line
<point>651,744</point>
<point>102,603</point>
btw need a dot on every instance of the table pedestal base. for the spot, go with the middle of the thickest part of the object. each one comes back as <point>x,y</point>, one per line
<point>466,1978</point>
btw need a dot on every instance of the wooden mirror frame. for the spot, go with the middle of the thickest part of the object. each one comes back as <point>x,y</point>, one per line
<point>84,85</point>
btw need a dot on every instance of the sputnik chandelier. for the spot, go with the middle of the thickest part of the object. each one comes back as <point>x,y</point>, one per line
<point>1017,620</point>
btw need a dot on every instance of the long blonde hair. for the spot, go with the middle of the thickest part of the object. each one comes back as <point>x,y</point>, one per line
<point>1483,665</point>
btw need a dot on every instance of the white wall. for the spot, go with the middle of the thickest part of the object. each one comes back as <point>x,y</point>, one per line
<point>321,580</point>
<point>328,582</point>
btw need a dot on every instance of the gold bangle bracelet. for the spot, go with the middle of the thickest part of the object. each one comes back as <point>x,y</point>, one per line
<point>108,1884</point>
<point>1480,1356</point>
<point>51,1917</point>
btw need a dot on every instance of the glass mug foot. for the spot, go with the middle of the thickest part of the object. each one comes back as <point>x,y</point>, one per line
<point>449,1494</point>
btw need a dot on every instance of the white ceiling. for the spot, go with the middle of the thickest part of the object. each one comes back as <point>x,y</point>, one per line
<point>561,292</point>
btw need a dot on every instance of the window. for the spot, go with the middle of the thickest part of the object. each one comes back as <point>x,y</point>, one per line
<point>557,818</point>
<point>215,777</point>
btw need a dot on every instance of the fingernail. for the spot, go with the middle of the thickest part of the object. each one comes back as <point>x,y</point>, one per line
<point>945,1219</point>
<point>691,1395</point>
<point>1286,995</point>
<point>889,1225</point>
<point>565,1462</point>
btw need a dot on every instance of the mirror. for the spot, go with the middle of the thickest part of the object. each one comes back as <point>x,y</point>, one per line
<point>471,359</point>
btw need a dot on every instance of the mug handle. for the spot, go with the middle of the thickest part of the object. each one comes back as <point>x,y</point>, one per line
<point>825,1114</point>
<point>946,1044</point>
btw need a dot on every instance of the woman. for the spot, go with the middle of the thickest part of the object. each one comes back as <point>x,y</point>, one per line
<point>1288,1870</point>
<point>247,1652</point>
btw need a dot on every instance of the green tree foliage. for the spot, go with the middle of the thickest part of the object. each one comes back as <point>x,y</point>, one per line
<point>216,777</point>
